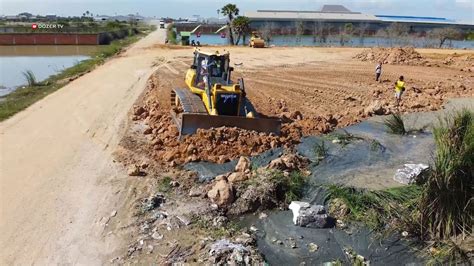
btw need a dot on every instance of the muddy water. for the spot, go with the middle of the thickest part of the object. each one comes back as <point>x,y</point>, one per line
<point>42,60</point>
<point>368,161</point>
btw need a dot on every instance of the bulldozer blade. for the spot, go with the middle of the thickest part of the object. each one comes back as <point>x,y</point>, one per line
<point>190,123</point>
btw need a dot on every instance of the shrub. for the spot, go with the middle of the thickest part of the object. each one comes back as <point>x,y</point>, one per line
<point>30,78</point>
<point>446,205</point>
<point>395,124</point>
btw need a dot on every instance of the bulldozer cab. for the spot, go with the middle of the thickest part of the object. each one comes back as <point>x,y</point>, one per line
<point>214,66</point>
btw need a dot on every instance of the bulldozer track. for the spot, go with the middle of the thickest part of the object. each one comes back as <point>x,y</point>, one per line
<point>190,102</point>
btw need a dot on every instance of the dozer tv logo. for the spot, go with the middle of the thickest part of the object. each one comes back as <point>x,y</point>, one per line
<point>230,97</point>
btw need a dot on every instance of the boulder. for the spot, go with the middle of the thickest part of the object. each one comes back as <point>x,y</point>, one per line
<point>237,177</point>
<point>374,108</point>
<point>222,193</point>
<point>288,162</point>
<point>243,164</point>
<point>196,191</point>
<point>135,170</point>
<point>312,216</point>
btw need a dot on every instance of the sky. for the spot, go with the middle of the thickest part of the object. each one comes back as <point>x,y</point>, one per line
<point>453,9</point>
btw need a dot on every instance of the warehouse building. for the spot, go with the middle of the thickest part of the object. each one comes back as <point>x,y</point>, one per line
<point>335,17</point>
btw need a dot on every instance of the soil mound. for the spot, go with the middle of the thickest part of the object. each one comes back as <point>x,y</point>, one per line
<point>215,145</point>
<point>398,55</point>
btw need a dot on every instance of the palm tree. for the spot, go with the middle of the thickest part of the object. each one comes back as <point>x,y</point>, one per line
<point>230,10</point>
<point>241,26</point>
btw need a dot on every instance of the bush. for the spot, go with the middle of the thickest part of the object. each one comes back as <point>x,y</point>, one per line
<point>446,205</point>
<point>30,78</point>
<point>395,124</point>
<point>171,34</point>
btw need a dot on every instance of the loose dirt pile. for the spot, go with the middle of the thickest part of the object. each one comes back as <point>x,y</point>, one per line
<point>220,144</point>
<point>398,55</point>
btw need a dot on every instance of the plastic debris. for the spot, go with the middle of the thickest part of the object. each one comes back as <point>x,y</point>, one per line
<point>409,173</point>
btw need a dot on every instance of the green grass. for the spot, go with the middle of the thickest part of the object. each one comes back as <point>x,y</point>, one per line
<point>164,185</point>
<point>21,98</point>
<point>395,124</point>
<point>320,150</point>
<point>344,138</point>
<point>30,78</point>
<point>377,208</point>
<point>446,205</point>
<point>291,185</point>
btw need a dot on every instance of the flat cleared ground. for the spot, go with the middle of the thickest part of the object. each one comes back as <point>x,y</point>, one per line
<point>59,183</point>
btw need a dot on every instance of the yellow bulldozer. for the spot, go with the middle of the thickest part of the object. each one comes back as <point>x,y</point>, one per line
<point>256,41</point>
<point>212,99</point>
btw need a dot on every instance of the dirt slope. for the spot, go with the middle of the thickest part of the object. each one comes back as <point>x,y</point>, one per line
<point>57,177</point>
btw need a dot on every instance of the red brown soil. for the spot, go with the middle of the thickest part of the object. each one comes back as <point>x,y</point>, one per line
<point>398,55</point>
<point>311,98</point>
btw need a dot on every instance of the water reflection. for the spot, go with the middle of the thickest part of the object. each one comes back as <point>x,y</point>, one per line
<point>42,60</point>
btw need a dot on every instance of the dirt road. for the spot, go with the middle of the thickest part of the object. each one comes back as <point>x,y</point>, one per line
<point>58,181</point>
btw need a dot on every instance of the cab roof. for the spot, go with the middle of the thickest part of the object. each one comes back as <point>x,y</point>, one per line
<point>210,53</point>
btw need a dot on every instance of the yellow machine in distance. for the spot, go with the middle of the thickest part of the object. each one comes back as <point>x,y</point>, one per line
<point>256,41</point>
<point>212,99</point>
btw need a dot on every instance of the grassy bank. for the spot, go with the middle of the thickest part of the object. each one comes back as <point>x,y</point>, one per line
<point>439,209</point>
<point>25,96</point>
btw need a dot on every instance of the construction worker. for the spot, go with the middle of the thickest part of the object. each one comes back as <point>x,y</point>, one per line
<point>399,89</point>
<point>378,71</point>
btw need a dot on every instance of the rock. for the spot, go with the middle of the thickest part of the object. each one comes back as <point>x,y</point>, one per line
<point>225,252</point>
<point>237,177</point>
<point>243,164</point>
<point>297,115</point>
<point>288,162</point>
<point>307,215</point>
<point>113,214</point>
<point>148,131</point>
<point>374,108</point>
<point>312,247</point>
<point>196,191</point>
<point>153,202</point>
<point>157,236</point>
<point>139,110</point>
<point>219,221</point>
<point>222,193</point>
<point>134,170</point>
<point>220,177</point>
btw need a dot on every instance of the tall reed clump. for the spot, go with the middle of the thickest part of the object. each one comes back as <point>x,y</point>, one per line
<point>395,124</point>
<point>447,201</point>
<point>30,78</point>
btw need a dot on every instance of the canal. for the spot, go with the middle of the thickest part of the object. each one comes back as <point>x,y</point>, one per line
<point>42,60</point>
